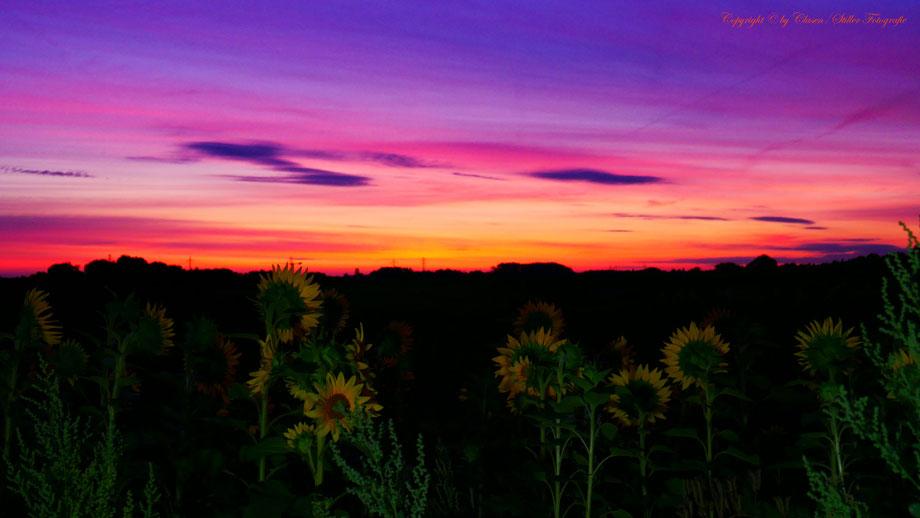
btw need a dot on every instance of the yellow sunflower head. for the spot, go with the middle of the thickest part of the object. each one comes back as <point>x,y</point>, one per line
<point>153,331</point>
<point>395,343</point>
<point>715,315</point>
<point>693,355</point>
<point>622,356</point>
<point>300,438</point>
<point>640,396</point>
<point>298,388</point>
<point>331,403</point>
<point>527,360</point>
<point>826,349</point>
<point>539,315</point>
<point>903,370</point>
<point>215,369</point>
<point>357,353</point>
<point>36,326</point>
<point>70,361</point>
<point>290,301</point>
<point>335,311</point>
<point>261,377</point>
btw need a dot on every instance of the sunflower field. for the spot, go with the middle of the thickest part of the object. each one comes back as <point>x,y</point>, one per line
<point>138,390</point>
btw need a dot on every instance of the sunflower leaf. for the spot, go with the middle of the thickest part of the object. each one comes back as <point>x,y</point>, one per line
<point>738,454</point>
<point>660,448</point>
<point>681,432</point>
<point>729,435</point>
<point>269,446</point>
<point>620,513</point>
<point>609,431</point>
<point>583,383</point>
<point>914,510</point>
<point>568,404</point>
<point>595,399</point>
<point>726,391</point>
<point>239,391</point>
<point>620,452</point>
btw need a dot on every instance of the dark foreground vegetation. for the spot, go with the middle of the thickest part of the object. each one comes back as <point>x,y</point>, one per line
<point>529,390</point>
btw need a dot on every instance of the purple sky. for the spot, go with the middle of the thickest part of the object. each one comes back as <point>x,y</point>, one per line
<point>358,134</point>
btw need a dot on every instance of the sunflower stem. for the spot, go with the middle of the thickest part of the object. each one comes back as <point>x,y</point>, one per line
<point>557,501</point>
<point>643,466</point>
<point>707,412</point>
<point>320,450</point>
<point>7,414</point>
<point>590,465</point>
<point>263,422</point>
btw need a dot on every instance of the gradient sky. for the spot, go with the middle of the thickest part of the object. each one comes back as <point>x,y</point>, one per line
<point>366,134</point>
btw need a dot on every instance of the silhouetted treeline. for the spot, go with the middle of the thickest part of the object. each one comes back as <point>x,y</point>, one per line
<point>459,318</point>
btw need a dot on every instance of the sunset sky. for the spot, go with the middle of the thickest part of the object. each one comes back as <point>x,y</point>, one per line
<point>366,134</point>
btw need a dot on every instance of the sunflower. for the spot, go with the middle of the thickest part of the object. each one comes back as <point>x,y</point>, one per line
<point>153,332</point>
<point>290,300</point>
<point>261,377</point>
<point>297,388</point>
<point>357,351</point>
<point>901,359</point>
<point>525,360</point>
<point>539,315</point>
<point>714,315</point>
<point>330,402</point>
<point>36,324</point>
<point>335,310</point>
<point>640,396</point>
<point>300,437</point>
<point>903,372</point>
<point>70,360</point>
<point>624,356</point>
<point>219,372</point>
<point>693,355</point>
<point>395,343</point>
<point>827,348</point>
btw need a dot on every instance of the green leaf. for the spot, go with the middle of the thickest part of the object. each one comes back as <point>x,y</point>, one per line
<point>269,446</point>
<point>620,452</point>
<point>733,393</point>
<point>914,510</point>
<point>99,380</point>
<point>583,383</point>
<point>239,391</point>
<point>735,452</point>
<point>620,513</point>
<point>609,431</point>
<point>729,435</point>
<point>127,382</point>
<point>595,399</point>
<point>568,404</point>
<point>681,432</point>
<point>663,449</point>
<point>693,399</point>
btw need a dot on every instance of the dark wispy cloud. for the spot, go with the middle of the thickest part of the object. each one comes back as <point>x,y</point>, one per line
<point>484,177</point>
<point>307,176</point>
<point>593,176</point>
<point>274,154</point>
<point>163,159</point>
<point>273,157</point>
<point>783,219</point>
<point>261,154</point>
<point>45,172</point>
<point>393,159</point>
<point>815,227</point>
<point>659,216</point>
<point>845,247</point>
